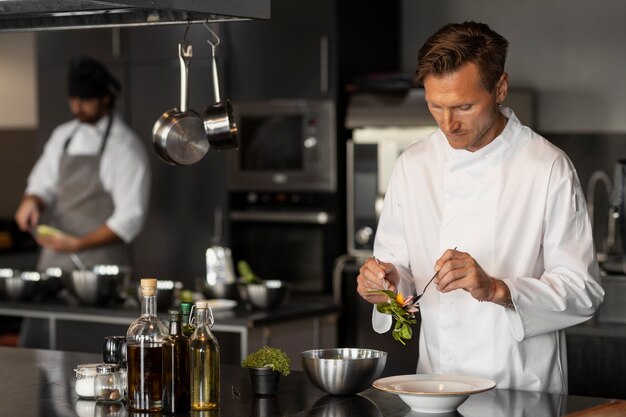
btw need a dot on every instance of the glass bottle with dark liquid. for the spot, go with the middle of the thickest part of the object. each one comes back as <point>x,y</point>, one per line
<point>176,367</point>
<point>204,362</point>
<point>144,340</point>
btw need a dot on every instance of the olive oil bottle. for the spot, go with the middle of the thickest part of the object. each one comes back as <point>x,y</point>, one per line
<point>188,328</point>
<point>176,367</point>
<point>144,340</point>
<point>204,362</point>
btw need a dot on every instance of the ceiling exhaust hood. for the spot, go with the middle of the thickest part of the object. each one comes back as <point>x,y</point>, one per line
<point>35,15</point>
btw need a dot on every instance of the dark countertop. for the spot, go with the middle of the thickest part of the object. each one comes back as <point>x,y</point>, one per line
<point>40,383</point>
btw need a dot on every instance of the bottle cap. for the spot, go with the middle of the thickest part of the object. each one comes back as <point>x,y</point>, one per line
<point>185,307</point>
<point>107,368</point>
<point>202,304</point>
<point>148,286</point>
<point>176,315</point>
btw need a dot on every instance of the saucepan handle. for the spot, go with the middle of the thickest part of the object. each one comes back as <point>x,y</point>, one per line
<point>214,42</point>
<point>185,52</point>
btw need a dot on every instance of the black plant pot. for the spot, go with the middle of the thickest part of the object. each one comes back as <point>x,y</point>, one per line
<point>264,381</point>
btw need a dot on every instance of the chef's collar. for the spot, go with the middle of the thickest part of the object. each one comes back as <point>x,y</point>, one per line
<point>100,126</point>
<point>493,148</point>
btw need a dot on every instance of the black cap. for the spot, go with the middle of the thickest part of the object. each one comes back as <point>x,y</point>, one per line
<point>89,78</point>
<point>175,315</point>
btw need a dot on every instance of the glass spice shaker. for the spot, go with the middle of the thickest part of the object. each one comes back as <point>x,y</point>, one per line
<point>85,375</point>
<point>108,383</point>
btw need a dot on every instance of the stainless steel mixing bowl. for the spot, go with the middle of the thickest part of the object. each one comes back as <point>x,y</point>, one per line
<point>343,371</point>
<point>99,285</point>
<point>266,296</point>
<point>18,285</point>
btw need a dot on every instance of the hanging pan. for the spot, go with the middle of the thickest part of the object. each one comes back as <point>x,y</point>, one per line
<point>219,123</point>
<point>178,136</point>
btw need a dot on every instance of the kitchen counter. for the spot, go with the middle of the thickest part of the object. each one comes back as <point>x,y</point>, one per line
<point>41,384</point>
<point>310,320</point>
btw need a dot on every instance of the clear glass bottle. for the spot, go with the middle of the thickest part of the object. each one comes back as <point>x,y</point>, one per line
<point>108,384</point>
<point>188,327</point>
<point>204,362</point>
<point>176,367</point>
<point>144,341</point>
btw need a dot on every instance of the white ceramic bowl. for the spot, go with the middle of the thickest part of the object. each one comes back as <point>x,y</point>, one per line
<point>433,393</point>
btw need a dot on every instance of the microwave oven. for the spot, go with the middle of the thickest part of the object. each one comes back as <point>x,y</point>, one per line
<point>371,155</point>
<point>285,145</point>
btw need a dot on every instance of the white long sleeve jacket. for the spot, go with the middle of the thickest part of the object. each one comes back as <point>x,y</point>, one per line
<point>124,170</point>
<point>517,207</point>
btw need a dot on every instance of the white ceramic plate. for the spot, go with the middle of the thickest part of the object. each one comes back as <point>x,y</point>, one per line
<point>218,304</point>
<point>433,393</point>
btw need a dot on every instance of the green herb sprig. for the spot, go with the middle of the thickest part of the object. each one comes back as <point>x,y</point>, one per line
<point>403,312</point>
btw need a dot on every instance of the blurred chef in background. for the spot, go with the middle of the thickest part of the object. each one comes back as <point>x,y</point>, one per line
<point>91,185</point>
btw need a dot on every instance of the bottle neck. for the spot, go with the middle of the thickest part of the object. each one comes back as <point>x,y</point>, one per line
<point>202,317</point>
<point>175,328</point>
<point>148,305</point>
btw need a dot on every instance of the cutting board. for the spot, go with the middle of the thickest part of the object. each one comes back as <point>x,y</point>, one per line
<point>612,409</point>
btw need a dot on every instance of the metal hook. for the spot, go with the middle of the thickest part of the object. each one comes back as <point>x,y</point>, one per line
<point>210,318</point>
<point>217,38</point>
<point>191,316</point>
<point>186,32</point>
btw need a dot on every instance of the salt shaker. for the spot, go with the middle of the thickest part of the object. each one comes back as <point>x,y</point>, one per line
<point>85,377</point>
<point>108,383</point>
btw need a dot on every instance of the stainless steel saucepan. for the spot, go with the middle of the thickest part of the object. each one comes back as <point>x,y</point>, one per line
<point>219,123</point>
<point>178,136</point>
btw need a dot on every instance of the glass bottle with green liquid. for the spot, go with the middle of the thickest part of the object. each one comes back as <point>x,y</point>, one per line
<point>188,327</point>
<point>204,362</point>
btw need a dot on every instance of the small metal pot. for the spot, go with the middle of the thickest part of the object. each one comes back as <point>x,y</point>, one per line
<point>219,123</point>
<point>178,136</point>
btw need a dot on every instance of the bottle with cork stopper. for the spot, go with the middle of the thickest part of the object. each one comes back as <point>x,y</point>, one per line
<point>204,362</point>
<point>144,340</point>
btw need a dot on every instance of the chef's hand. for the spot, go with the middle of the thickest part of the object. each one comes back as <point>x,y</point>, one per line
<point>60,243</point>
<point>458,270</point>
<point>28,213</point>
<point>374,276</point>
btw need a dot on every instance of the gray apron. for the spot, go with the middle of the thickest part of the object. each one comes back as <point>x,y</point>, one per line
<point>82,205</point>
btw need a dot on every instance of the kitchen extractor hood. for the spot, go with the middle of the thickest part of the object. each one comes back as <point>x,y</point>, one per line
<point>32,15</point>
<point>388,109</point>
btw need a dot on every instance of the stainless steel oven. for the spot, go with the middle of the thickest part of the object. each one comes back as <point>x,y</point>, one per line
<point>291,236</point>
<point>285,145</point>
<point>371,155</point>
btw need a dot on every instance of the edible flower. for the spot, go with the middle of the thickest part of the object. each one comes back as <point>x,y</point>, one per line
<point>403,312</point>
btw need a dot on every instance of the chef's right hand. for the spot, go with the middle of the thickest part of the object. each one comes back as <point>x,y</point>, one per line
<point>28,213</point>
<point>375,275</point>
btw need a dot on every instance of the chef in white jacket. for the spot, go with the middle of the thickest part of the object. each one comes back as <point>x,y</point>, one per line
<point>92,182</point>
<point>510,202</point>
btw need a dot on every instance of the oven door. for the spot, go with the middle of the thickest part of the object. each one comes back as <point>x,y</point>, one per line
<point>364,200</point>
<point>296,247</point>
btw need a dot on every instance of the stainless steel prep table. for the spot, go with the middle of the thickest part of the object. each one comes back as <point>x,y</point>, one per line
<point>314,317</point>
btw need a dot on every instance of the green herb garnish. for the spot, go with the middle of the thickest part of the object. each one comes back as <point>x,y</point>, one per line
<point>403,312</point>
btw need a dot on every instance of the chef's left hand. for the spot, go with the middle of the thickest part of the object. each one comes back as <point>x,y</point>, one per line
<point>60,243</point>
<point>458,270</point>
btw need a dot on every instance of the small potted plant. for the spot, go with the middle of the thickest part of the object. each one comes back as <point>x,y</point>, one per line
<point>265,367</point>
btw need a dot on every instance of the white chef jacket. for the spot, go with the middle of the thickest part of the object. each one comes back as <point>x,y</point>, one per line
<point>124,170</point>
<point>517,207</point>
